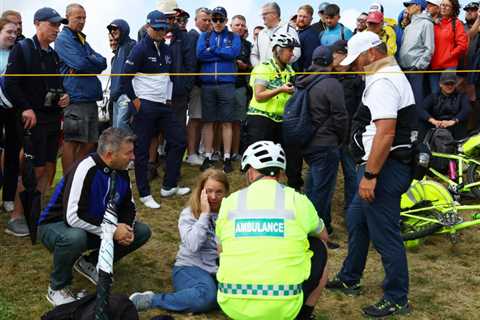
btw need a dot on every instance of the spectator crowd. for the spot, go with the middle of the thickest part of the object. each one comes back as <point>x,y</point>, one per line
<point>233,94</point>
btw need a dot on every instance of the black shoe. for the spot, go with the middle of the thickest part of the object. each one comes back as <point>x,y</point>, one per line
<point>338,284</point>
<point>207,163</point>
<point>385,308</point>
<point>332,245</point>
<point>227,165</point>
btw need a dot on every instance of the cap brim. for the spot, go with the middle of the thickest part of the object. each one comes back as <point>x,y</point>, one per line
<point>58,20</point>
<point>349,59</point>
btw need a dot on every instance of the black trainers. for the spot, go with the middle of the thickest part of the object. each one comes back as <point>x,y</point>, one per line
<point>384,308</point>
<point>338,284</point>
<point>207,163</point>
<point>227,165</point>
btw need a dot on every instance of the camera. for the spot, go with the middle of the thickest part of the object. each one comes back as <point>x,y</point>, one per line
<point>53,97</point>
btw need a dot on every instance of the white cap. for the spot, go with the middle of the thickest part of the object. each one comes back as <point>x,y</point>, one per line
<point>375,7</point>
<point>360,43</point>
<point>167,6</point>
<point>435,2</point>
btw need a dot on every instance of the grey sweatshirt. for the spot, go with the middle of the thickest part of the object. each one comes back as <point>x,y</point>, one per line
<point>418,43</point>
<point>198,247</point>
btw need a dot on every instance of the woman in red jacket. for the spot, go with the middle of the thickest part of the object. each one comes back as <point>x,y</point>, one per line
<point>451,41</point>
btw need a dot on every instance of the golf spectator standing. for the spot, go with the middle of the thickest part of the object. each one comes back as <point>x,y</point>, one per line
<point>376,24</point>
<point>39,99</point>
<point>80,119</point>
<point>361,23</point>
<point>217,51</point>
<point>15,17</point>
<point>239,26</point>
<point>262,49</point>
<point>321,25</point>
<point>119,31</point>
<point>334,30</point>
<point>203,23</point>
<point>451,42</point>
<point>151,97</point>
<point>417,47</point>
<point>433,8</point>
<point>308,37</point>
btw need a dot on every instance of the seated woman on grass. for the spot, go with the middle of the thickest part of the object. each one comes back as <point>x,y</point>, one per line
<point>196,264</point>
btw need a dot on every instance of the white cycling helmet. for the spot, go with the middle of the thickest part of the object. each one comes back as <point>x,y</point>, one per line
<point>283,40</point>
<point>264,154</point>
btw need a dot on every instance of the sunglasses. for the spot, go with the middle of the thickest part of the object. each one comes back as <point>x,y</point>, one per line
<point>218,20</point>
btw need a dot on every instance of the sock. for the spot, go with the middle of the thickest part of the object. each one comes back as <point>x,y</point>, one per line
<point>305,312</point>
<point>208,155</point>
<point>226,156</point>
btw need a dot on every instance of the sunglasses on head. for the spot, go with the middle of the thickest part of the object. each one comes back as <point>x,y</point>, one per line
<point>220,20</point>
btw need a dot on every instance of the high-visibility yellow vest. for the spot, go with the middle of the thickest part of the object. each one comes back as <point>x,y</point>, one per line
<point>265,254</point>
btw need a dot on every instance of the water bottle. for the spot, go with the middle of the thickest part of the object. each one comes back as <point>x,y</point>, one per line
<point>452,170</point>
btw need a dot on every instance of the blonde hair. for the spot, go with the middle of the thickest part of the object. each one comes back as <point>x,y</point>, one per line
<point>213,174</point>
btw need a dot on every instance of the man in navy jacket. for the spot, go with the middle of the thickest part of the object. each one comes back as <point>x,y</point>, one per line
<point>80,124</point>
<point>217,52</point>
<point>152,98</point>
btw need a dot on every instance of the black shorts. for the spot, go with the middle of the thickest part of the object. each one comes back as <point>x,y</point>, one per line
<point>218,103</point>
<point>45,142</point>
<point>318,261</point>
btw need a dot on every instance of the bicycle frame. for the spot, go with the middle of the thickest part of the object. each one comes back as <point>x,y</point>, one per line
<point>461,161</point>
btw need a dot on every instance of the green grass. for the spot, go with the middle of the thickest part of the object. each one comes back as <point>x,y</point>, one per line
<point>444,278</point>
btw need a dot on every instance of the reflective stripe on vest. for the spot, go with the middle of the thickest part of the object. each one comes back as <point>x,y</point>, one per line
<point>260,289</point>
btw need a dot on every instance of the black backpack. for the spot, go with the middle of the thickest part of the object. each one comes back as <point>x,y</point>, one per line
<point>297,128</point>
<point>440,140</point>
<point>121,308</point>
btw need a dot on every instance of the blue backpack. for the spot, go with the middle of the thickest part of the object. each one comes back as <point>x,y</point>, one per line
<point>297,127</point>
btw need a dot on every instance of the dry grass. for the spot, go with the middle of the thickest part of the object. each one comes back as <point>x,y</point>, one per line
<point>444,278</point>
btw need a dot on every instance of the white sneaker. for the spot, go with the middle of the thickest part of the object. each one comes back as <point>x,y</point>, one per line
<point>149,202</point>
<point>177,191</point>
<point>62,296</point>
<point>194,160</point>
<point>9,206</point>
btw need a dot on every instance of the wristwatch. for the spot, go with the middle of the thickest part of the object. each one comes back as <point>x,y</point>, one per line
<point>369,175</point>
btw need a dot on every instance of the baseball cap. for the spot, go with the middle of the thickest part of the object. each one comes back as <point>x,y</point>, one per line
<point>448,77</point>
<point>375,17</point>
<point>360,43</point>
<point>435,2</point>
<point>167,7</point>
<point>421,3</point>
<point>376,7</point>
<point>181,13</point>
<point>50,15</point>
<point>157,20</point>
<point>472,6</point>
<point>340,46</point>
<point>219,11</point>
<point>322,6</point>
<point>322,56</point>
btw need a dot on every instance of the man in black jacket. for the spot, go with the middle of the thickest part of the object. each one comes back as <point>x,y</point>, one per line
<point>329,115</point>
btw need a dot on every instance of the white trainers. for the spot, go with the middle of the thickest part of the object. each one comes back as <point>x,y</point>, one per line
<point>194,160</point>
<point>59,297</point>
<point>142,300</point>
<point>177,191</point>
<point>149,202</point>
<point>9,206</point>
<point>86,269</point>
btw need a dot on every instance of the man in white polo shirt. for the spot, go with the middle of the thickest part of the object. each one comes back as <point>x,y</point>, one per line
<point>382,133</point>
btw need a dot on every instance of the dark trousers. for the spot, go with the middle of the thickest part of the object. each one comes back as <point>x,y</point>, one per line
<point>379,222</point>
<point>349,169</point>
<point>146,122</point>
<point>417,82</point>
<point>323,166</point>
<point>10,121</point>
<point>318,263</point>
<point>260,128</point>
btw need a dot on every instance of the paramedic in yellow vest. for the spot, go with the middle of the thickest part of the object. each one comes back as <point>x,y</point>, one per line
<point>272,244</point>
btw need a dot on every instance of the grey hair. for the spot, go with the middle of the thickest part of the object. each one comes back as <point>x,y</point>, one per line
<point>203,10</point>
<point>274,6</point>
<point>72,6</point>
<point>112,139</point>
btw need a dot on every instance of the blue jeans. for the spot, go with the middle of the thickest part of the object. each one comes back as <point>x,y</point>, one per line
<point>146,122</point>
<point>379,222</point>
<point>121,113</point>
<point>195,291</point>
<point>68,244</point>
<point>320,184</point>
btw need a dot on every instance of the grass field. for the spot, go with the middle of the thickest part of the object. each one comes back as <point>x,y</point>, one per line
<point>444,278</point>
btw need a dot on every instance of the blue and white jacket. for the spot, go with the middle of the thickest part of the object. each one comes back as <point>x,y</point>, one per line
<point>218,55</point>
<point>148,57</point>
<point>80,198</point>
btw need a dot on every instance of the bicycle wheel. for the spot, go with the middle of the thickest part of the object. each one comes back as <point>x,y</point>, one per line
<point>473,175</point>
<point>412,228</point>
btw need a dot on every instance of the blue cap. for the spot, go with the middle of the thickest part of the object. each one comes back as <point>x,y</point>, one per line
<point>157,20</point>
<point>50,15</point>
<point>220,11</point>
<point>322,56</point>
<point>421,3</point>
